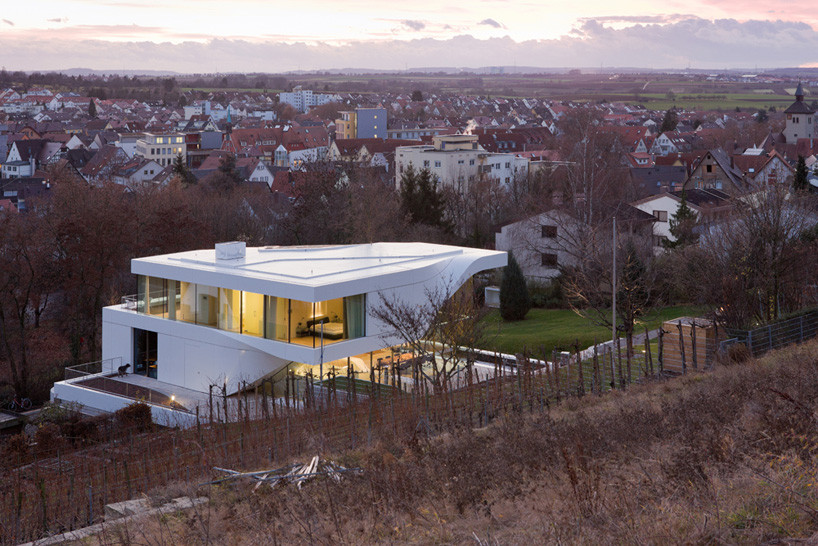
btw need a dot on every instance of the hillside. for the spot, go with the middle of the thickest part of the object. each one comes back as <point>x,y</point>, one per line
<point>727,456</point>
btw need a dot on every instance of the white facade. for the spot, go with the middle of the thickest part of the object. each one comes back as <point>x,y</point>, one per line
<point>161,148</point>
<point>664,207</point>
<point>457,161</point>
<point>254,296</point>
<point>541,244</point>
<point>303,99</point>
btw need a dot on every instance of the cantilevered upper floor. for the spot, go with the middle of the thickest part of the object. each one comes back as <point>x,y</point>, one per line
<point>319,273</point>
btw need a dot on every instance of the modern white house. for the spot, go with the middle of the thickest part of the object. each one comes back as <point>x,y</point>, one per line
<point>232,315</point>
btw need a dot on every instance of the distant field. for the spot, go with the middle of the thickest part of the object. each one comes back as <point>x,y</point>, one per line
<point>229,90</point>
<point>715,101</point>
<point>648,89</point>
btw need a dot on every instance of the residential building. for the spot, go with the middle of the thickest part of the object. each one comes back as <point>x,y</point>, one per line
<point>717,171</point>
<point>362,123</point>
<point>708,204</point>
<point>232,315</point>
<point>346,126</point>
<point>161,148</point>
<point>371,123</point>
<point>304,99</point>
<point>548,243</point>
<point>137,171</point>
<point>458,160</point>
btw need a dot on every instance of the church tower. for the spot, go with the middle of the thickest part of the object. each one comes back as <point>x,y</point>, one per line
<point>800,119</point>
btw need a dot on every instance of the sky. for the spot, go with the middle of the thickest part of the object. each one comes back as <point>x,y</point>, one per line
<point>204,36</point>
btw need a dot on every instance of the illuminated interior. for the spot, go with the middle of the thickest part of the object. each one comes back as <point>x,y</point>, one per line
<point>248,313</point>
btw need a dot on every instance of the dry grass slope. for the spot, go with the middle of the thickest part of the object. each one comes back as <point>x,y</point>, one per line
<point>727,456</point>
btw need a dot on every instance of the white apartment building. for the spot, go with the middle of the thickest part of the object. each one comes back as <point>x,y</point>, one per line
<point>161,148</point>
<point>304,99</point>
<point>458,160</point>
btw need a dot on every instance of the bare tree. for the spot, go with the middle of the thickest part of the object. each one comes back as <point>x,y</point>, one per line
<point>26,283</point>
<point>441,330</point>
<point>757,264</point>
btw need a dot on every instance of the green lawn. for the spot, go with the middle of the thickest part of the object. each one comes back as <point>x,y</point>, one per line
<point>559,328</point>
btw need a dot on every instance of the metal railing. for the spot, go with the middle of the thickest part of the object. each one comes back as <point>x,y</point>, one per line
<point>130,302</point>
<point>99,367</point>
<point>778,334</point>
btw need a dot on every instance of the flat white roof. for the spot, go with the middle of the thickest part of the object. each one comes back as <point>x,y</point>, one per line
<point>318,273</point>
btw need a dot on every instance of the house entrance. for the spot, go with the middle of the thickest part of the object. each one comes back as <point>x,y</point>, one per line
<point>145,353</point>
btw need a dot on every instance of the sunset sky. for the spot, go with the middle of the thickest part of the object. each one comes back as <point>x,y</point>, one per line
<point>268,36</point>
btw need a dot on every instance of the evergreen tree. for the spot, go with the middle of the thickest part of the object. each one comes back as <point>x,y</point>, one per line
<point>670,121</point>
<point>180,170</point>
<point>417,95</point>
<point>92,108</point>
<point>227,176</point>
<point>800,182</point>
<point>514,298</point>
<point>681,226</point>
<point>422,200</point>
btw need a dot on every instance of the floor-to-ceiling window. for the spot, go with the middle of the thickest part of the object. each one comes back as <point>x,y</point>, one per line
<point>281,319</point>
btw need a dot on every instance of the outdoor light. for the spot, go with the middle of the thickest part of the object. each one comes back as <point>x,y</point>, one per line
<point>173,398</point>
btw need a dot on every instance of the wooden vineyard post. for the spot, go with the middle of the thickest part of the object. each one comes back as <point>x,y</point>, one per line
<point>581,389</point>
<point>682,347</point>
<point>548,377</point>
<point>661,347</point>
<point>628,355</point>
<point>648,355</point>
<point>693,344</point>
<point>613,374</point>
<point>597,375</point>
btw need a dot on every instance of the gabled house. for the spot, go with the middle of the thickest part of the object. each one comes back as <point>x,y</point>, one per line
<point>764,168</point>
<point>258,171</point>
<point>717,171</point>
<point>105,162</point>
<point>708,205</point>
<point>547,243</point>
<point>137,171</point>
<point>672,142</point>
<point>20,190</point>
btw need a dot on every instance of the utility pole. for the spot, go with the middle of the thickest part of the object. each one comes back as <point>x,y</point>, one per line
<point>613,286</point>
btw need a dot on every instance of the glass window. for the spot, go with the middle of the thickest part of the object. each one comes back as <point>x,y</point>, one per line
<point>230,310</point>
<point>302,322</point>
<point>187,302</point>
<point>151,295</point>
<point>276,314</point>
<point>252,314</point>
<point>173,299</point>
<point>355,316</point>
<point>207,298</point>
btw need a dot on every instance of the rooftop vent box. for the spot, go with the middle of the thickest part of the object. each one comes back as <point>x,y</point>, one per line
<point>231,251</point>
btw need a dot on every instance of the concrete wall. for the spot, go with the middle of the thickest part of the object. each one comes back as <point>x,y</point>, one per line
<point>64,391</point>
<point>371,123</point>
